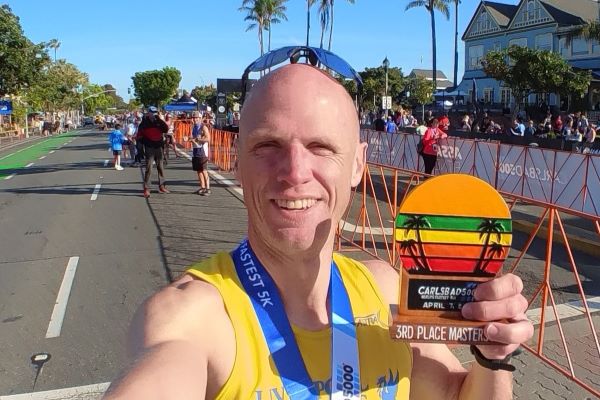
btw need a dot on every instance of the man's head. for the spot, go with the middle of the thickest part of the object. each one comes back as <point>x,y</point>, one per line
<point>299,157</point>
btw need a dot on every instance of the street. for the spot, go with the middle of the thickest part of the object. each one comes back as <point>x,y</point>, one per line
<point>70,221</point>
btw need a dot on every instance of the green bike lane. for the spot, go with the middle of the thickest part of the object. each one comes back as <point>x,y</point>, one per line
<point>15,160</point>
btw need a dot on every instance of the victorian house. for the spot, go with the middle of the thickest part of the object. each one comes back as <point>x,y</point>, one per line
<point>539,24</point>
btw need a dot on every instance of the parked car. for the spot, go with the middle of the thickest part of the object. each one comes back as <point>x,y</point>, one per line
<point>88,121</point>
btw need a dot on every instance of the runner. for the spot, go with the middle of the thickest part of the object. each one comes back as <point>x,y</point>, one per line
<point>200,140</point>
<point>151,131</point>
<point>204,335</point>
<point>116,140</point>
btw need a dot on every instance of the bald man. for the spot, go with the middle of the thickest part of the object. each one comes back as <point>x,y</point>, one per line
<point>203,337</point>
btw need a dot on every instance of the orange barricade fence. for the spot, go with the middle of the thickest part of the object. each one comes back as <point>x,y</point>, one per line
<point>557,184</point>
<point>223,144</point>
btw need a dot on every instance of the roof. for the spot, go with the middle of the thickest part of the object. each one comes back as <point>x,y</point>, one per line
<point>501,12</point>
<point>428,73</point>
<point>569,12</point>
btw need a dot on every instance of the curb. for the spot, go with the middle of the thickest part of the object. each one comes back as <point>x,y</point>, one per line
<point>579,243</point>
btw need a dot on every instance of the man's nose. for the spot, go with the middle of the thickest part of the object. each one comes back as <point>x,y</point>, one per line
<point>294,167</point>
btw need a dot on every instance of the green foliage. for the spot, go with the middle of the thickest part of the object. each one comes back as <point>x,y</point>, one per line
<point>588,31</point>
<point>534,71</point>
<point>57,87</point>
<point>374,84</point>
<point>156,87</point>
<point>205,95</point>
<point>421,90</point>
<point>431,5</point>
<point>116,100</point>
<point>22,60</point>
<point>95,100</point>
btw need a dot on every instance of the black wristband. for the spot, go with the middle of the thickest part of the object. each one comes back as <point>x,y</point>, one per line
<point>494,365</point>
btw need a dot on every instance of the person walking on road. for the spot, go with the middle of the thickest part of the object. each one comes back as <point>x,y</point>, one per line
<point>116,140</point>
<point>263,320</point>
<point>151,131</point>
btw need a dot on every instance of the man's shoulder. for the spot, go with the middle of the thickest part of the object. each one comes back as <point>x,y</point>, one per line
<point>387,278</point>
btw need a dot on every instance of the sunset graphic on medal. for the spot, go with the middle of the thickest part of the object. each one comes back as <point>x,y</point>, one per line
<point>455,224</point>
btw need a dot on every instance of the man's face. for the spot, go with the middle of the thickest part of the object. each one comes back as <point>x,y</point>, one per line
<point>299,157</point>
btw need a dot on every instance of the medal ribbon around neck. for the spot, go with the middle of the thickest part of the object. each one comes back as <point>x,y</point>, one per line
<point>278,334</point>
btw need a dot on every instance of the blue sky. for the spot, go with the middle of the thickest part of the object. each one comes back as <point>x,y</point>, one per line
<point>206,39</point>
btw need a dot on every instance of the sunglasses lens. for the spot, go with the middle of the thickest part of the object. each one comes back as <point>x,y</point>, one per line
<point>271,59</point>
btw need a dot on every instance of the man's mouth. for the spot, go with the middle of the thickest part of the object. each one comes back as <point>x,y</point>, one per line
<point>298,204</point>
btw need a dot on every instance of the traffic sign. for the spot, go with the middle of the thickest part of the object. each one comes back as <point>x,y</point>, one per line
<point>386,102</point>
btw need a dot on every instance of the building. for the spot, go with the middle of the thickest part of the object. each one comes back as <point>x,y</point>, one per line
<point>539,24</point>
<point>441,79</point>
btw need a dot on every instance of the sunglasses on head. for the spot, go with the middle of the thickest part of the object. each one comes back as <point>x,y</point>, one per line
<point>314,55</point>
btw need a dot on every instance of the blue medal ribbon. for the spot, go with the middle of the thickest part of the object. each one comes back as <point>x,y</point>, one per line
<point>278,334</point>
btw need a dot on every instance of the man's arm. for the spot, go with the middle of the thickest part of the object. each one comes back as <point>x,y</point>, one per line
<point>170,344</point>
<point>437,373</point>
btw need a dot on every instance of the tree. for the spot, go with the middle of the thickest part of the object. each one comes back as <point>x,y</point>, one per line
<point>417,222</point>
<point>331,21</point>
<point>374,84</point>
<point>432,6</point>
<point>421,92</point>
<point>205,95</point>
<point>156,87</point>
<point>116,100</point>
<point>324,13</point>
<point>54,44</point>
<point>57,87</point>
<point>527,71</point>
<point>456,3</point>
<point>95,100</point>
<point>275,13</point>
<point>587,31</point>
<point>22,60</point>
<point>256,14</point>
<point>487,228</point>
<point>309,4</point>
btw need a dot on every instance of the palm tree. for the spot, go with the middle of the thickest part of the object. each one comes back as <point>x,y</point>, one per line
<point>275,13</point>
<point>309,4</point>
<point>495,250</point>
<point>409,246</point>
<point>589,31</point>
<point>417,222</point>
<point>54,44</point>
<point>331,3</point>
<point>324,13</point>
<point>487,228</point>
<point>431,6</point>
<point>456,3</point>
<point>256,15</point>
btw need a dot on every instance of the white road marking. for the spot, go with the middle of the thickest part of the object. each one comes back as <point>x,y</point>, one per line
<point>42,157</point>
<point>29,165</point>
<point>105,163</point>
<point>18,151</point>
<point>52,151</point>
<point>87,392</point>
<point>60,307</point>
<point>96,191</point>
<point>9,177</point>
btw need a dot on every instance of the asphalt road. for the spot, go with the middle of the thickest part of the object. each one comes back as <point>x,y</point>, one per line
<point>48,219</point>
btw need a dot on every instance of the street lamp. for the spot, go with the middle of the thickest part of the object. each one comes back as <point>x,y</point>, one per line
<point>386,65</point>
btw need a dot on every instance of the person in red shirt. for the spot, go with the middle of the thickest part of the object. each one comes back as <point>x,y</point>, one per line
<point>151,132</point>
<point>444,122</point>
<point>430,144</point>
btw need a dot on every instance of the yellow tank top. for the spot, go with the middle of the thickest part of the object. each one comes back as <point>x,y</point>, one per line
<point>385,365</point>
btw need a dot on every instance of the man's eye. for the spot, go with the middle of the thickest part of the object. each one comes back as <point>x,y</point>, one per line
<point>264,146</point>
<point>320,148</point>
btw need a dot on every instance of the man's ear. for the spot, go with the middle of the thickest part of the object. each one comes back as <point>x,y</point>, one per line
<point>360,159</point>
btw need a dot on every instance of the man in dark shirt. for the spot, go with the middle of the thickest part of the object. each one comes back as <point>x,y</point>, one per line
<point>151,131</point>
<point>379,123</point>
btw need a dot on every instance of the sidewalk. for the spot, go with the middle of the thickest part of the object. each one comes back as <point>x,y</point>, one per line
<point>193,227</point>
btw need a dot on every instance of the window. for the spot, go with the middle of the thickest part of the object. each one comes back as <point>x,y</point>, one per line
<point>497,46</point>
<point>544,42</point>
<point>475,56</point>
<point>579,46</point>
<point>488,95</point>
<point>562,48</point>
<point>518,42</point>
<point>596,47</point>
<point>505,96</point>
